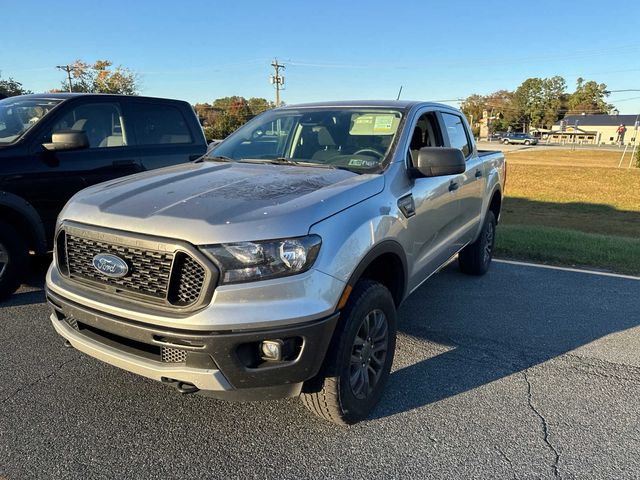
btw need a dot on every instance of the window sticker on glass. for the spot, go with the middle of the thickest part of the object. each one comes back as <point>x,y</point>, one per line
<point>358,162</point>
<point>374,124</point>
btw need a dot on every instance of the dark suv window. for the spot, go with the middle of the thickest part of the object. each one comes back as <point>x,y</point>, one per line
<point>160,124</point>
<point>457,134</point>
<point>103,124</point>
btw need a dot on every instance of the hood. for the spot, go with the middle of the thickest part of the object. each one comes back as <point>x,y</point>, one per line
<point>211,202</point>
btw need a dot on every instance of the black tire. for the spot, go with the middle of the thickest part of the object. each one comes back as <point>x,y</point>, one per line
<point>475,258</point>
<point>527,142</point>
<point>506,142</point>
<point>332,395</point>
<point>14,260</point>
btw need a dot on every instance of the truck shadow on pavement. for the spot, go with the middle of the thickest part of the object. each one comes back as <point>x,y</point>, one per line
<point>457,333</point>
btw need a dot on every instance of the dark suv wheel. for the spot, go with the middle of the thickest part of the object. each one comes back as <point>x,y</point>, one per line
<point>357,365</point>
<point>14,257</point>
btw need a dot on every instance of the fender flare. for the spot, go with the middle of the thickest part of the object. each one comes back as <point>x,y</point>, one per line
<point>386,246</point>
<point>29,218</point>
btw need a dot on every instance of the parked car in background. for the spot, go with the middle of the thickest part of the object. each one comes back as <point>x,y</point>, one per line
<point>519,138</point>
<point>53,145</point>
<point>274,266</point>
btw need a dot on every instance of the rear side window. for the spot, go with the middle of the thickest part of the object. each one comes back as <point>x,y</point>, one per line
<point>160,125</point>
<point>457,133</point>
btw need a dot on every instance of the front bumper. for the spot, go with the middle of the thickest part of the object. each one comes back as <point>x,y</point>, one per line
<point>225,364</point>
<point>285,301</point>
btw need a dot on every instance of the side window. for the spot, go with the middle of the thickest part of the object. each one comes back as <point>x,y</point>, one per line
<point>102,122</point>
<point>457,133</point>
<point>159,125</point>
<point>425,134</point>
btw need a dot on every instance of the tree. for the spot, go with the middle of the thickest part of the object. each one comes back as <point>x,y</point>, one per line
<point>11,87</point>
<point>100,78</point>
<point>224,115</point>
<point>589,97</point>
<point>529,98</point>
<point>499,107</point>
<point>554,96</point>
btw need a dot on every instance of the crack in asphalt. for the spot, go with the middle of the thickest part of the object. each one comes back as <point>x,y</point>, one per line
<point>545,426</point>
<point>508,460</point>
<point>35,382</point>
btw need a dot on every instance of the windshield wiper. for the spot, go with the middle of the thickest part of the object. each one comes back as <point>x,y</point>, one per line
<point>215,158</point>
<point>275,161</point>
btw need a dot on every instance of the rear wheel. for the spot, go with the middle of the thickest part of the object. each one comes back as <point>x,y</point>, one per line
<point>475,258</point>
<point>506,142</point>
<point>357,365</point>
<point>14,258</point>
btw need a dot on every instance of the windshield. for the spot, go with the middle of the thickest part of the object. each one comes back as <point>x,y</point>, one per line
<point>17,115</point>
<point>357,139</point>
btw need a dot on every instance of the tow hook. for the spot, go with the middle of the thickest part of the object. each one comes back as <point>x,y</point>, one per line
<point>183,387</point>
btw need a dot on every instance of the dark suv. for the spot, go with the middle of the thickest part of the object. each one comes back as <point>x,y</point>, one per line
<point>53,145</point>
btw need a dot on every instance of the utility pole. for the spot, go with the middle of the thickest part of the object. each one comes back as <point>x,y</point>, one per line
<point>277,80</point>
<point>66,68</point>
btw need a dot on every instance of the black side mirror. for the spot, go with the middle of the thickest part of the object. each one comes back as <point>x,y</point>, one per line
<point>67,140</point>
<point>439,161</point>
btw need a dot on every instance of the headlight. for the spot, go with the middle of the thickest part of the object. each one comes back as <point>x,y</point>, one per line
<point>250,261</point>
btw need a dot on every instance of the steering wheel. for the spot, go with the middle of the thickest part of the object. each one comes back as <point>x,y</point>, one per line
<point>365,151</point>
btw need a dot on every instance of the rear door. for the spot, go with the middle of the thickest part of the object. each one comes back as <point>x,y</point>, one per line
<point>472,181</point>
<point>164,134</point>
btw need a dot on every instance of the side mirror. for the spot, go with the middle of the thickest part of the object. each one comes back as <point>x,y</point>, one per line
<point>439,161</point>
<point>67,140</point>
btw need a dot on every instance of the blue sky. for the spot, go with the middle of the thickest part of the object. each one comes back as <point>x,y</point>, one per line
<point>201,50</point>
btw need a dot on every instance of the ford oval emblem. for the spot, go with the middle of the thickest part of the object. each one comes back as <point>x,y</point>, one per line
<point>110,265</point>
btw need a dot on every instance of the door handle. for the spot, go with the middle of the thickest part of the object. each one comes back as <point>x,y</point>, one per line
<point>123,163</point>
<point>453,186</point>
<point>478,174</point>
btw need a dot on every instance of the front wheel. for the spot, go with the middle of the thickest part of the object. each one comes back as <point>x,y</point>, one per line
<point>475,258</point>
<point>357,365</point>
<point>527,142</point>
<point>14,258</point>
<point>506,142</point>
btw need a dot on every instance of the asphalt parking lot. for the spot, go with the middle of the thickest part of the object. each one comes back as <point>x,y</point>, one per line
<point>523,373</point>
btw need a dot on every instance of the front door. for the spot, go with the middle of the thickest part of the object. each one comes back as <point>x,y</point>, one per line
<point>109,156</point>
<point>435,201</point>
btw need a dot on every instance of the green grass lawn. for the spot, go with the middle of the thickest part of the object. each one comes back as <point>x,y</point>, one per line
<point>569,248</point>
<point>581,211</point>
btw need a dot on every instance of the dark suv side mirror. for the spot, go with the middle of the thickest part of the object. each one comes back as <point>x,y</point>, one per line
<point>439,161</point>
<point>67,140</point>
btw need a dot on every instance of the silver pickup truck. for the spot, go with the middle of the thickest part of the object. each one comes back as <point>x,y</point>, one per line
<point>273,266</point>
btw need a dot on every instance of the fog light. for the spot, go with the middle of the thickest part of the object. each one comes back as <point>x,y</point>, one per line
<point>271,350</point>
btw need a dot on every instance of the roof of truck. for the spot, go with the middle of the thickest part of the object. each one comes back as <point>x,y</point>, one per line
<point>68,95</point>
<point>401,104</point>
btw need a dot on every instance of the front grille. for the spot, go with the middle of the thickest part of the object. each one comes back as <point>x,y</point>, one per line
<point>188,279</point>
<point>150,270</point>
<point>173,355</point>
<point>165,277</point>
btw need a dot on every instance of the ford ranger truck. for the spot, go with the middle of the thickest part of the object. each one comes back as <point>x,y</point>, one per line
<point>274,266</point>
